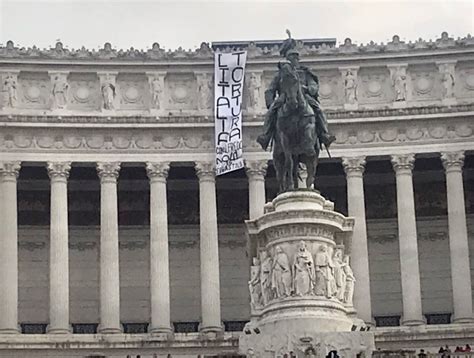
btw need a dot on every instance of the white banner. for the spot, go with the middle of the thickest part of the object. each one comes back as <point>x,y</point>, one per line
<point>229,69</point>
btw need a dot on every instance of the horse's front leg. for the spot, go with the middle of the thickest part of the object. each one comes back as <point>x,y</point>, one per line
<point>289,171</point>
<point>295,171</point>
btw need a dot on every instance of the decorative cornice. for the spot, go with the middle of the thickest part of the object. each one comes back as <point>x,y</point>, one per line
<point>58,170</point>
<point>205,170</point>
<point>10,170</point>
<point>108,171</point>
<point>146,118</point>
<point>353,165</point>
<point>107,53</point>
<point>157,170</point>
<point>403,163</point>
<point>452,161</point>
<point>256,168</point>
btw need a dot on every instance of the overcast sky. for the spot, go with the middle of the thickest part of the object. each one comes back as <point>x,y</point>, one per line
<point>188,23</point>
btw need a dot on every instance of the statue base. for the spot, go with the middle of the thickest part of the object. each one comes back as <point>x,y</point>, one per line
<point>301,282</point>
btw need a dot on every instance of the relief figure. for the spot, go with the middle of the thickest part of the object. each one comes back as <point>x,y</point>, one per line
<point>303,271</point>
<point>281,274</point>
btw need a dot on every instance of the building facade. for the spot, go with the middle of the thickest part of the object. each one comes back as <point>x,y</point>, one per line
<point>116,238</point>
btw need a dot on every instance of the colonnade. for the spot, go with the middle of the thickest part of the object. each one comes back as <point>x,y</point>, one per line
<point>108,173</point>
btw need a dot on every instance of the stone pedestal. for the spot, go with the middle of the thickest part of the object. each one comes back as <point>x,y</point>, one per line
<point>301,283</point>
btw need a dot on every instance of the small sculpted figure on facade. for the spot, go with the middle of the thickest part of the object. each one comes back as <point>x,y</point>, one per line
<point>254,91</point>
<point>9,87</point>
<point>350,87</point>
<point>281,274</point>
<point>59,92</point>
<point>108,94</point>
<point>303,271</point>
<point>399,81</point>
<point>350,281</point>
<point>156,90</point>
<point>204,83</point>
<point>325,283</point>
<point>265,276</point>
<point>339,275</point>
<point>254,285</point>
<point>447,78</point>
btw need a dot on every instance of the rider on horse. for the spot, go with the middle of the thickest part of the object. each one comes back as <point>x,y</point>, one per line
<point>309,85</point>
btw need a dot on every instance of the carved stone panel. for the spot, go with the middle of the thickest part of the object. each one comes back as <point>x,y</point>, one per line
<point>133,91</point>
<point>180,91</point>
<point>375,85</point>
<point>35,89</point>
<point>425,83</point>
<point>84,91</point>
<point>464,87</point>
<point>330,87</point>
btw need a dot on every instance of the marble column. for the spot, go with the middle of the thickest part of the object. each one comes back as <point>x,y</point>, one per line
<point>354,168</point>
<point>159,250</point>
<point>109,249</point>
<point>256,171</point>
<point>8,247</point>
<point>59,250</point>
<point>458,238</point>
<point>209,249</point>
<point>407,238</point>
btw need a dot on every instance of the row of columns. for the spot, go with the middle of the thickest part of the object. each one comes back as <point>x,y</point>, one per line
<point>109,249</point>
<point>407,236</point>
<point>209,257</point>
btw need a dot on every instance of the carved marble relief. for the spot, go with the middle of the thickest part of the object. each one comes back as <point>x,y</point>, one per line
<point>399,81</point>
<point>205,91</point>
<point>134,91</point>
<point>300,269</point>
<point>9,90</point>
<point>35,89</point>
<point>59,90</point>
<point>374,85</point>
<point>330,87</point>
<point>84,91</point>
<point>425,83</point>
<point>351,84</point>
<point>464,89</point>
<point>181,90</point>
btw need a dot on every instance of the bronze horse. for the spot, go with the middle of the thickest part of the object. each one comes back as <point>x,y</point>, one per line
<point>295,139</point>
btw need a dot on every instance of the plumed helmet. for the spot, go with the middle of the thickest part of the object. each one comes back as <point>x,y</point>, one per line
<point>288,45</point>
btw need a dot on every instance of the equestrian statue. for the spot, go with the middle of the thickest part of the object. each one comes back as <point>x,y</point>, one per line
<point>294,122</point>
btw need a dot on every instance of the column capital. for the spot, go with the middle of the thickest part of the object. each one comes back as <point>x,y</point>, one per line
<point>108,171</point>
<point>452,161</point>
<point>58,170</point>
<point>10,169</point>
<point>205,170</point>
<point>403,163</point>
<point>157,170</point>
<point>354,165</point>
<point>256,168</point>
